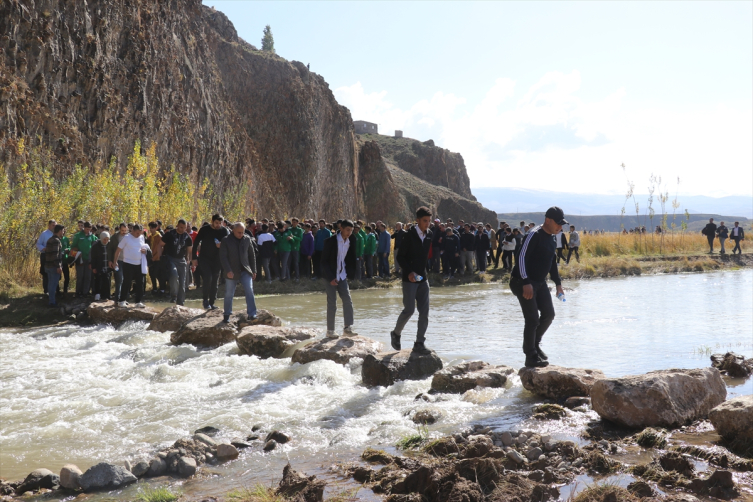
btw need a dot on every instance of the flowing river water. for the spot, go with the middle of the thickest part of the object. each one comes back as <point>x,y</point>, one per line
<point>83,395</point>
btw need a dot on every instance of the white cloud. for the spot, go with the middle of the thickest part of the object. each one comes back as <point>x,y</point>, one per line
<point>549,137</point>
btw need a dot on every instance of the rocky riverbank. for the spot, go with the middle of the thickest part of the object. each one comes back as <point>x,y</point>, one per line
<point>636,426</point>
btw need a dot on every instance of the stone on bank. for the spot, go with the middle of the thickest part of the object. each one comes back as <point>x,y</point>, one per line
<point>733,419</point>
<point>469,375</point>
<point>340,350</point>
<point>665,398</point>
<point>104,476</point>
<point>559,383</point>
<point>173,318</point>
<point>108,313</point>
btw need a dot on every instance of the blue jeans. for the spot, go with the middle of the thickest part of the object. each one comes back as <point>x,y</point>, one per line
<point>384,265</point>
<point>53,278</point>
<point>248,287</point>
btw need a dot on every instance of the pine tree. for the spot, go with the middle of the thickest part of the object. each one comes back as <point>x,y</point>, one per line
<point>268,41</point>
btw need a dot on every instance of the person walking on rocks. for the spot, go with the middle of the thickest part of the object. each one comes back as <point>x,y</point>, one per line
<point>176,249</point>
<point>413,255</point>
<point>206,257</point>
<point>339,266</point>
<point>528,283</point>
<point>238,260</point>
<point>737,234</point>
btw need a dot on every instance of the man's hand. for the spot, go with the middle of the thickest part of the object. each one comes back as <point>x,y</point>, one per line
<point>412,277</point>
<point>143,250</point>
<point>109,264</point>
<point>195,263</point>
<point>230,275</point>
<point>333,282</point>
<point>60,270</point>
<point>253,276</point>
<point>527,291</point>
<point>560,290</point>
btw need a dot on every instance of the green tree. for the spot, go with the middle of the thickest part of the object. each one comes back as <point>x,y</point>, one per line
<point>268,41</point>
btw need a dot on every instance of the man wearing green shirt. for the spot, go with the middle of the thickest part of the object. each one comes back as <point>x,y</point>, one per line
<point>370,246</point>
<point>284,246</point>
<point>296,236</point>
<point>82,243</point>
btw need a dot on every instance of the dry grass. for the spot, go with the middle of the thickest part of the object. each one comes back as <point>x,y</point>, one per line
<point>604,493</point>
<point>616,244</point>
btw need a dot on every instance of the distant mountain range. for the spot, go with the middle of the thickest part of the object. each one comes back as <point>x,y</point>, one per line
<point>520,200</point>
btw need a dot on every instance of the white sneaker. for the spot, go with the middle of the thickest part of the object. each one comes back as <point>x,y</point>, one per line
<point>96,297</point>
<point>122,304</point>
<point>348,331</point>
<point>332,334</point>
<point>140,305</point>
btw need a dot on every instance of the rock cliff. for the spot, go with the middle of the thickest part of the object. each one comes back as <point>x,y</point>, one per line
<point>87,79</point>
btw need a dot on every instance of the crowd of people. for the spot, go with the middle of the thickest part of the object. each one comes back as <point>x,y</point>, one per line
<point>115,263</point>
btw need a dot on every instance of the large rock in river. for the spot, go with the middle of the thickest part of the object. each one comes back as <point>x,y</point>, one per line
<point>263,318</point>
<point>173,318</point>
<point>108,312</point>
<point>104,476</point>
<point>270,341</point>
<point>469,375</point>
<point>340,350</point>
<point>38,478</point>
<point>733,419</point>
<point>556,382</point>
<point>206,329</point>
<point>732,364</point>
<point>665,398</point>
<point>386,368</point>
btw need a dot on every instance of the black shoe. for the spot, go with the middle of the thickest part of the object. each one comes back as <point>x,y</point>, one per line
<point>212,306</point>
<point>226,319</point>
<point>420,348</point>
<point>206,306</point>
<point>542,356</point>
<point>535,362</point>
<point>395,340</point>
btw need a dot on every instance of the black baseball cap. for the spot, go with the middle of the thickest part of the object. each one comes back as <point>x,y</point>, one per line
<point>556,214</point>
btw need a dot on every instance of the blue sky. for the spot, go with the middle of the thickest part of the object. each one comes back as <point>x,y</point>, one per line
<point>550,95</point>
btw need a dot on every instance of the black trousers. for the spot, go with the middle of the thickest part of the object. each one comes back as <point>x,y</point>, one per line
<point>132,275</point>
<point>497,255</point>
<point>570,253</point>
<point>317,260</point>
<point>43,272</point>
<point>507,260</point>
<point>711,243</point>
<point>101,284</point>
<point>448,263</point>
<point>560,254</point>
<point>210,276</point>
<point>535,324</point>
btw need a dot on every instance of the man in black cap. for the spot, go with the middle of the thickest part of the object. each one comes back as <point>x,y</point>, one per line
<point>528,283</point>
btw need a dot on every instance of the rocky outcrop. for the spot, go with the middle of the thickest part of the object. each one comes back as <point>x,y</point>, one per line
<point>70,477</point>
<point>391,193</point>
<point>469,375</point>
<point>556,382</point>
<point>385,368</point>
<point>109,313</point>
<point>665,398</point>
<point>733,419</point>
<point>270,341</point>
<point>207,330</point>
<point>732,364</point>
<point>104,476</point>
<point>340,350</point>
<point>173,318</point>
<point>89,78</point>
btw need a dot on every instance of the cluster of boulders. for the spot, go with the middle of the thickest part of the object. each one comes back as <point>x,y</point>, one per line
<point>182,459</point>
<point>733,365</point>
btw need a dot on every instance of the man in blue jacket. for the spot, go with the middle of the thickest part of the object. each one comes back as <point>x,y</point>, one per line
<point>383,251</point>
<point>528,283</point>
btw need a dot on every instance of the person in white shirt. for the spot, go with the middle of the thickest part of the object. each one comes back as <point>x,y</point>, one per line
<point>574,244</point>
<point>561,241</point>
<point>339,265</point>
<point>41,246</point>
<point>131,247</point>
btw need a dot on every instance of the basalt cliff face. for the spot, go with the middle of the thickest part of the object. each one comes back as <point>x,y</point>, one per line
<point>86,79</point>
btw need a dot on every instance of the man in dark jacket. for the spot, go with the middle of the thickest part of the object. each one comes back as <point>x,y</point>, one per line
<point>483,244</point>
<point>710,232</point>
<point>737,234</point>
<point>238,265</point>
<point>53,261</point>
<point>467,249</point>
<point>100,270</point>
<point>206,256</point>
<point>339,266</point>
<point>413,255</point>
<point>449,252</point>
<point>398,237</point>
<point>528,283</point>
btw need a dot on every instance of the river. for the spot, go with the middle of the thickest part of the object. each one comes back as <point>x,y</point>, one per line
<point>88,394</point>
